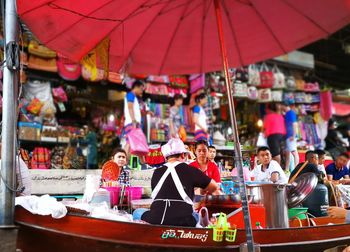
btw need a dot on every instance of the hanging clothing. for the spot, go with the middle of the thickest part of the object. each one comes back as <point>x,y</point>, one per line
<point>173,190</point>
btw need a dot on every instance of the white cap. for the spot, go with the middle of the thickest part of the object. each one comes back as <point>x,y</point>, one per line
<point>172,147</point>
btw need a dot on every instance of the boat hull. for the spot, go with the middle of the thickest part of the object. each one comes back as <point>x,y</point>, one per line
<point>79,233</point>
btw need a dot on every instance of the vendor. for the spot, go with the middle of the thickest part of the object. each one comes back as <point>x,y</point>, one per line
<point>203,163</point>
<point>119,157</point>
<point>173,189</point>
<point>200,118</point>
<point>212,153</point>
<point>268,169</point>
<point>338,170</point>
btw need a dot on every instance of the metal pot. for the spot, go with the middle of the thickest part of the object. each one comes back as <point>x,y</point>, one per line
<point>273,197</point>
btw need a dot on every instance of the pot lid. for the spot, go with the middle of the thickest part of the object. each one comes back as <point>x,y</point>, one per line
<point>302,186</point>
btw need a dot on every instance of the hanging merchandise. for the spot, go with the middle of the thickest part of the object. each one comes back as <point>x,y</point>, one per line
<point>44,64</point>
<point>59,94</point>
<point>300,84</point>
<point>41,158</point>
<point>253,75</point>
<point>164,79</point>
<point>67,69</point>
<point>115,77</point>
<point>277,95</point>
<point>266,76</point>
<point>179,81</point>
<point>288,97</point>
<point>156,89</point>
<point>57,157</point>
<point>41,91</point>
<point>252,93</point>
<point>278,78</point>
<point>326,104</point>
<point>197,81</point>
<point>290,83</point>
<point>241,75</point>
<point>264,95</point>
<point>240,90</point>
<point>299,97</point>
<point>95,64</point>
<point>36,49</point>
<point>35,106</point>
<point>312,87</point>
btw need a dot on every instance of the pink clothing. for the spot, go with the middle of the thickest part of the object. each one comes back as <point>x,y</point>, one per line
<point>246,173</point>
<point>274,124</point>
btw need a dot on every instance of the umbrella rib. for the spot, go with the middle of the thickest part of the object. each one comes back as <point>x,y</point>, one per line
<point>148,26</point>
<point>37,7</point>
<point>268,28</point>
<point>305,16</point>
<point>233,33</point>
<point>71,25</point>
<point>205,14</point>
<point>173,36</point>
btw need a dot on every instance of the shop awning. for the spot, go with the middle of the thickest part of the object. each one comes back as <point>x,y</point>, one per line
<point>341,109</point>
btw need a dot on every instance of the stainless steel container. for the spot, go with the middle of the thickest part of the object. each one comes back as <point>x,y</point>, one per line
<point>274,199</point>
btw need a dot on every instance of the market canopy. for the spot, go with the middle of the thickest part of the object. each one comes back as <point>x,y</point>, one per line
<point>173,37</point>
<point>341,109</point>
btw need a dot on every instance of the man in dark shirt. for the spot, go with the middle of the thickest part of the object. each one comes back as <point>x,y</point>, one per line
<point>312,158</point>
<point>338,169</point>
<point>173,188</point>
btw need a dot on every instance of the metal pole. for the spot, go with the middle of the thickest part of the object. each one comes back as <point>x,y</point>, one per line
<point>8,179</point>
<point>237,145</point>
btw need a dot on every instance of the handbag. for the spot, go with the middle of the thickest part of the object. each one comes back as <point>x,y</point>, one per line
<point>278,78</point>
<point>138,142</point>
<point>252,93</point>
<point>264,95</point>
<point>253,75</point>
<point>277,95</point>
<point>241,75</point>
<point>59,94</point>
<point>290,83</point>
<point>182,133</point>
<point>266,76</point>
<point>240,90</point>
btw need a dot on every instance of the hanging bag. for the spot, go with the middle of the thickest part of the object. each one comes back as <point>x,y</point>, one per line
<point>253,75</point>
<point>266,76</point>
<point>138,142</point>
<point>278,78</point>
<point>197,82</point>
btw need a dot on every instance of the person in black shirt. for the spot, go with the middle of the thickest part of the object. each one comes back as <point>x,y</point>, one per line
<point>173,188</point>
<point>312,158</point>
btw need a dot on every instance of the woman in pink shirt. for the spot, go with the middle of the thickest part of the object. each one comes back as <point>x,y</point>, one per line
<point>275,131</point>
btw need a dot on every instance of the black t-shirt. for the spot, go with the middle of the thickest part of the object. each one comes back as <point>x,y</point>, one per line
<point>308,168</point>
<point>178,213</point>
<point>332,140</point>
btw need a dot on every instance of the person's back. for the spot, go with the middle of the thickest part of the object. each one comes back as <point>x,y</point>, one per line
<point>308,168</point>
<point>274,123</point>
<point>179,214</point>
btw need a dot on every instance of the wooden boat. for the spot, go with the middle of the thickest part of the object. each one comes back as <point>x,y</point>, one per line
<point>81,233</point>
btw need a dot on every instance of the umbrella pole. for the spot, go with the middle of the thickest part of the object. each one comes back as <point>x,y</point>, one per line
<point>237,145</point>
<point>8,139</point>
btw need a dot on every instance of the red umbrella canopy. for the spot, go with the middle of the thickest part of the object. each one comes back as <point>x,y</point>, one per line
<point>180,36</point>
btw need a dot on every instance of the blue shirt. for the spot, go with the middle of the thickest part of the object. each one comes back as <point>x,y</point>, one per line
<point>337,174</point>
<point>290,118</point>
<point>196,109</point>
<point>130,97</point>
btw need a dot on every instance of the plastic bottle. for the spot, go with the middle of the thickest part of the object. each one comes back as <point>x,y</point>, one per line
<point>258,226</point>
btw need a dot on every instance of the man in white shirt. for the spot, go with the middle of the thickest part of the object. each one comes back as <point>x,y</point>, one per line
<point>268,169</point>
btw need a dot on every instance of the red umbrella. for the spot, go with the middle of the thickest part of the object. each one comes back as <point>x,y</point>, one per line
<point>184,36</point>
<point>168,36</point>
